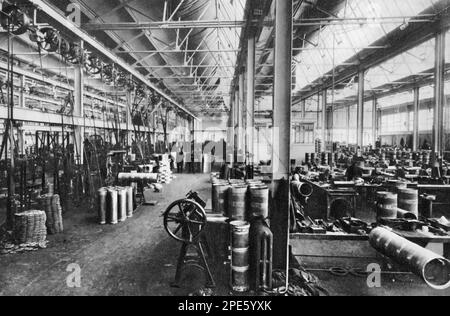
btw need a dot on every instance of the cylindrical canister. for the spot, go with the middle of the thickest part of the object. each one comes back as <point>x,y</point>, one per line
<point>434,269</point>
<point>130,202</point>
<point>112,211</point>
<point>240,256</point>
<point>259,202</point>
<point>386,205</point>
<point>237,202</point>
<point>408,200</point>
<point>219,198</point>
<point>122,204</point>
<point>102,206</point>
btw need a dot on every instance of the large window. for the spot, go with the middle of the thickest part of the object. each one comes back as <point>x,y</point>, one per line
<point>303,133</point>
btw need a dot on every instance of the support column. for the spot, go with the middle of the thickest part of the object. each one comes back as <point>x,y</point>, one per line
<point>231,132</point>
<point>129,139</point>
<point>282,123</point>
<point>79,111</point>
<point>348,124</point>
<point>374,121</point>
<point>360,110</point>
<point>416,134</point>
<point>251,64</point>
<point>324,120</point>
<point>241,129</point>
<point>438,125</point>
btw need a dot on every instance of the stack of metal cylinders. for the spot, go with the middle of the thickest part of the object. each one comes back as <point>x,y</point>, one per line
<point>240,263</point>
<point>237,202</point>
<point>386,205</point>
<point>115,204</point>
<point>258,201</point>
<point>219,197</point>
<point>408,200</point>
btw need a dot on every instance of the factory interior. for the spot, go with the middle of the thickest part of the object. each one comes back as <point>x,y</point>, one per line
<point>225,148</point>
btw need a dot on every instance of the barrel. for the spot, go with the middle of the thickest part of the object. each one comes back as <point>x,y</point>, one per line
<point>237,202</point>
<point>101,201</point>
<point>130,202</point>
<point>408,200</point>
<point>122,204</point>
<point>259,202</point>
<point>240,232</point>
<point>112,210</point>
<point>219,198</point>
<point>386,205</point>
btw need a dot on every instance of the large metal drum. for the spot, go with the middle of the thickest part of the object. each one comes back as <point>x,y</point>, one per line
<point>122,204</point>
<point>259,202</point>
<point>386,205</point>
<point>102,205</point>
<point>240,256</point>
<point>112,210</point>
<point>408,200</point>
<point>219,198</point>
<point>237,202</point>
<point>130,202</point>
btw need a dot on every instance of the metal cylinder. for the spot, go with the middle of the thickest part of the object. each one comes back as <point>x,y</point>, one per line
<point>427,205</point>
<point>259,202</point>
<point>432,268</point>
<point>133,177</point>
<point>219,198</point>
<point>237,202</point>
<point>302,188</point>
<point>122,204</point>
<point>261,256</point>
<point>408,200</point>
<point>102,206</point>
<point>240,256</point>
<point>386,205</point>
<point>112,211</point>
<point>130,202</point>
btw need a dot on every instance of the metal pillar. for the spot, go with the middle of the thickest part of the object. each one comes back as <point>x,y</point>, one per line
<point>79,111</point>
<point>374,121</point>
<point>324,120</point>
<point>251,64</point>
<point>282,122</point>
<point>438,125</point>
<point>231,132</point>
<point>129,122</point>
<point>360,110</point>
<point>348,124</point>
<point>416,133</point>
<point>241,129</point>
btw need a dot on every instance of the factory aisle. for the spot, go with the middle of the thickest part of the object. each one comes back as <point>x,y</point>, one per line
<point>133,258</point>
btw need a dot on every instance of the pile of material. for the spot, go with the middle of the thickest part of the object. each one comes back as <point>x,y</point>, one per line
<point>51,205</point>
<point>30,227</point>
<point>115,204</point>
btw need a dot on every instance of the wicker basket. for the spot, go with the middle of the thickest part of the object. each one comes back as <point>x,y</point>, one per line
<point>29,227</point>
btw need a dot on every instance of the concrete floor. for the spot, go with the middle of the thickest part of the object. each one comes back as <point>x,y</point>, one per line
<point>138,258</point>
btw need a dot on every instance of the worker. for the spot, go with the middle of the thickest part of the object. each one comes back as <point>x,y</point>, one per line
<point>355,171</point>
<point>426,146</point>
<point>180,161</point>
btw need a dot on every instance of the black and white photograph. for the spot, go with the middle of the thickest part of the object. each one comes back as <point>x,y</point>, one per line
<point>226,155</point>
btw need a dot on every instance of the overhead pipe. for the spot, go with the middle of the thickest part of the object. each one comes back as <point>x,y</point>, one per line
<point>432,268</point>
